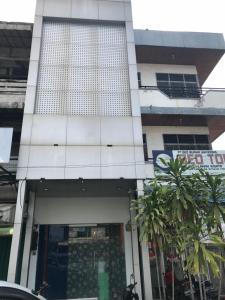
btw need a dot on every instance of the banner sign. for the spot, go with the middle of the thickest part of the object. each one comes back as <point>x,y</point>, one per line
<point>209,160</point>
<point>5,144</point>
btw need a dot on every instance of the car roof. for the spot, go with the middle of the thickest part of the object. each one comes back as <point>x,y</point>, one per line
<point>5,284</point>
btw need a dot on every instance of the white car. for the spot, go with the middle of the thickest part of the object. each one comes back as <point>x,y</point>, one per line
<point>12,291</point>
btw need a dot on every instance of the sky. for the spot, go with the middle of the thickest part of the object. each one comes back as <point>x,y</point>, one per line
<point>175,15</point>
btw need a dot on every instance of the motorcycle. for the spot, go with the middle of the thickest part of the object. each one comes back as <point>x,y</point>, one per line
<point>207,290</point>
<point>129,293</point>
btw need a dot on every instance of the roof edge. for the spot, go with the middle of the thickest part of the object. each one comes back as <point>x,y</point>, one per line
<point>179,39</point>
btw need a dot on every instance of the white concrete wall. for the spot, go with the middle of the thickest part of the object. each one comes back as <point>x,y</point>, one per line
<point>86,9</point>
<point>212,99</point>
<point>157,98</point>
<point>148,72</point>
<point>82,141</point>
<point>154,134</point>
<point>81,149</point>
<point>84,210</point>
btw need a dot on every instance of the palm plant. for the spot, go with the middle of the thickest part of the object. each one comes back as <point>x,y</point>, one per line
<point>152,219</point>
<point>215,211</point>
<point>180,211</point>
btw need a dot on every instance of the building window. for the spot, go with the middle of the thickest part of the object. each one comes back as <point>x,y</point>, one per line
<point>178,85</point>
<point>3,73</point>
<point>186,142</point>
<point>16,72</point>
<point>145,147</point>
<point>15,144</point>
<point>139,79</point>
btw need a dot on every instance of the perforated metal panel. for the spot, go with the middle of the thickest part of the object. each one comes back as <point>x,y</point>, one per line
<point>83,70</point>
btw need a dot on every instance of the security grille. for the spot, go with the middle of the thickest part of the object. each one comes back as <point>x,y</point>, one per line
<point>83,70</point>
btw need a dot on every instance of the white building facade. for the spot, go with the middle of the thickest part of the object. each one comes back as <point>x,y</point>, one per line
<point>81,161</point>
<point>15,44</point>
<point>81,155</point>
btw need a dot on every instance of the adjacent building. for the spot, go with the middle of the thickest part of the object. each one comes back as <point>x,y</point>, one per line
<point>100,97</point>
<point>15,43</point>
<point>178,113</point>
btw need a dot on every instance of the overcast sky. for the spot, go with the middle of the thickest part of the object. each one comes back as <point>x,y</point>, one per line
<point>191,15</point>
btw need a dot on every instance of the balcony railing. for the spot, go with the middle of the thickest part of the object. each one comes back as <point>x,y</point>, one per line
<point>8,172</point>
<point>12,165</point>
<point>13,87</point>
<point>182,92</point>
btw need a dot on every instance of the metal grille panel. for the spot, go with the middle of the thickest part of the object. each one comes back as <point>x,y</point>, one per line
<point>51,102</point>
<point>83,70</point>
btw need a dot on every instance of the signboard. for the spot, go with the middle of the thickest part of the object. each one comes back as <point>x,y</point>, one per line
<point>209,160</point>
<point>5,144</point>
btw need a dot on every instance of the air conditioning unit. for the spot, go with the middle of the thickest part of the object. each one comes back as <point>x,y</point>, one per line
<point>7,214</point>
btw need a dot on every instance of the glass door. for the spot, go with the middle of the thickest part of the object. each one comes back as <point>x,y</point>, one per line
<point>82,262</point>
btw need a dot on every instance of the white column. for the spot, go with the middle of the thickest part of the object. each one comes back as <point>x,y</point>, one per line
<point>136,261</point>
<point>145,256</point>
<point>32,270</point>
<point>17,231</point>
<point>27,243</point>
<point>146,272</point>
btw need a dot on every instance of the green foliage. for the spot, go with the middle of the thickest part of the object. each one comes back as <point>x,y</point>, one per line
<point>151,217</point>
<point>201,257</point>
<point>215,189</point>
<point>184,212</point>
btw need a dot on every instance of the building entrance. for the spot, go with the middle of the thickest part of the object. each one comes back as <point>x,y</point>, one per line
<point>82,261</point>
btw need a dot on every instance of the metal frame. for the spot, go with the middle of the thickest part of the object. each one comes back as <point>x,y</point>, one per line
<point>7,177</point>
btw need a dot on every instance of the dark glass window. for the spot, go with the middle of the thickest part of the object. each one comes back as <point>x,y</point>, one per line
<point>178,85</point>
<point>185,139</point>
<point>15,144</point>
<point>202,139</point>
<point>190,78</point>
<point>139,79</point>
<point>16,72</point>
<point>170,138</point>
<point>20,72</point>
<point>3,72</point>
<point>162,76</point>
<point>186,142</point>
<point>145,146</point>
<point>176,77</point>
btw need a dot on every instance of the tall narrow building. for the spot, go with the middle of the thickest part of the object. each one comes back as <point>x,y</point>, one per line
<point>102,102</point>
<point>81,156</point>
